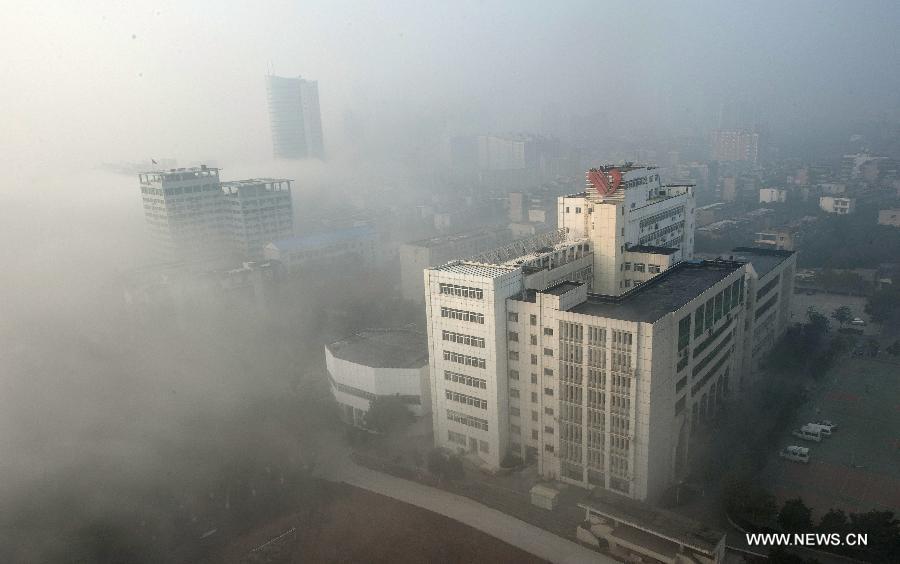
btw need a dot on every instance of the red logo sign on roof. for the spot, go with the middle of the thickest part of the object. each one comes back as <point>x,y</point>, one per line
<point>605,182</point>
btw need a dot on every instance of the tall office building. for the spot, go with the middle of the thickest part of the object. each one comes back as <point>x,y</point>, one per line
<point>598,355</point>
<point>735,145</point>
<point>192,215</point>
<point>295,117</point>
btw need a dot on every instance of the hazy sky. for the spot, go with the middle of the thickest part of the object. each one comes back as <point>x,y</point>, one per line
<point>100,80</point>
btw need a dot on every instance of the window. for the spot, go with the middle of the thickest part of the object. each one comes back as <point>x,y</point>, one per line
<point>461,291</point>
<point>514,355</point>
<point>548,391</point>
<point>513,374</point>
<point>548,429</point>
<point>627,283</point>
<point>462,315</point>
<point>465,399</point>
<point>532,319</point>
<point>463,379</point>
<point>534,415</point>
<point>512,316</point>
<point>457,438</point>
<point>698,321</point>
<point>513,393</point>
<point>548,372</point>
<point>684,332</point>
<point>548,448</point>
<point>534,434</point>
<point>463,339</point>
<point>514,411</point>
<point>548,331</point>
<point>548,411</point>
<point>465,359</point>
<point>533,378</point>
<point>548,352</point>
<point>534,359</point>
<point>515,429</point>
<point>639,267</point>
<point>627,266</point>
<point>534,398</point>
<point>653,268</point>
<point>467,420</point>
<point>534,340</point>
<point>513,337</point>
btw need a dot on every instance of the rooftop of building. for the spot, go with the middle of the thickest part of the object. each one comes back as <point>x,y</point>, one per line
<point>324,239</point>
<point>459,237</point>
<point>253,182</point>
<point>181,171</point>
<point>476,269</point>
<point>561,288</point>
<point>764,260</point>
<point>652,250</point>
<point>663,294</point>
<point>383,348</point>
<point>658,522</point>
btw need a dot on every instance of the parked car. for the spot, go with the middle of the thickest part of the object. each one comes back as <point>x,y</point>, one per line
<point>808,433</point>
<point>832,426</point>
<point>857,321</point>
<point>795,454</point>
<point>824,430</point>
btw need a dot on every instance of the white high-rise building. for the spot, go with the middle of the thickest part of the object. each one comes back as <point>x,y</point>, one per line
<point>596,356</point>
<point>295,117</point>
<point>193,215</point>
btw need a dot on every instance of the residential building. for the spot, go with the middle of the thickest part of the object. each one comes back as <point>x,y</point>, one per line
<point>192,215</point>
<point>837,205</point>
<point>735,145</point>
<point>603,350</point>
<point>377,363</point>
<point>295,118</point>
<point>780,239</point>
<point>257,211</point>
<point>889,217</point>
<point>772,195</point>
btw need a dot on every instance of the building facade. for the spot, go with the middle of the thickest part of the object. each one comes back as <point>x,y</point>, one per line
<point>597,356</point>
<point>192,215</point>
<point>735,145</point>
<point>836,205</point>
<point>295,118</point>
<point>378,363</point>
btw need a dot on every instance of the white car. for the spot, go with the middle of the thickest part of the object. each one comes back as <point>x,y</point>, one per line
<point>857,321</point>
<point>795,454</point>
<point>832,426</point>
<point>824,430</point>
<point>808,433</point>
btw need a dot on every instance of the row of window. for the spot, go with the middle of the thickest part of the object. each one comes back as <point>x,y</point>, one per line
<point>467,420</point>
<point>640,267</point>
<point>463,339</point>
<point>465,359</point>
<point>462,291</point>
<point>465,399</point>
<point>463,379</point>
<point>661,233</point>
<point>462,315</point>
<point>657,217</point>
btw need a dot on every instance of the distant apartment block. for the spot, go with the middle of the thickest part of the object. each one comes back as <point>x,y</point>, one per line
<point>837,205</point>
<point>375,363</point>
<point>778,239</point>
<point>341,247</point>
<point>735,145</point>
<point>295,117</point>
<point>193,215</point>
<point>599,354</point>
<point>772,195</point>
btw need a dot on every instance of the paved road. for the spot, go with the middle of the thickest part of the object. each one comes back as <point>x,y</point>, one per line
<point>529,538</point>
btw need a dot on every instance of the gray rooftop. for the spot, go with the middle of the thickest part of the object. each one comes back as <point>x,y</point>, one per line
<point>476,269</point>
<point>383,348</point>
<point>652,250</point>
<point>661,295</point>
<point>763,260</point>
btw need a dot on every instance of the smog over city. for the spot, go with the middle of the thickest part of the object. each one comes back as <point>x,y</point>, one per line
<point>303,281</point>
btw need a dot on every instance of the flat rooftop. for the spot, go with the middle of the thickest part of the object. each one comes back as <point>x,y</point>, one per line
<point>657,522</point>
<point>383,348</point>
<point>661,295</point>
<point>763,260</point>
<point>652,250</point>
<point>476,269</point>
<point>561,288</point>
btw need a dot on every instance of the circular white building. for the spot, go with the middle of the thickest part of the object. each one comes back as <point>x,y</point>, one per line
<point>378,362</point>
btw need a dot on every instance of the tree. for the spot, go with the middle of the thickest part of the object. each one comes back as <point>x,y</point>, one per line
<point>883,532</point>
<point>817,320</point>
<point>884,305</point>
<point>750,502</point>
<point>445,465</point>
<point>835,521</point>
<point>795,516</point>
<point>842,315</point>
<point>387,414</point>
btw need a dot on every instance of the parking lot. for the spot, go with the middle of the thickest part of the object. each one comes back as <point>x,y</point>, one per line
<point>826,304</point>
<point>858,467</point>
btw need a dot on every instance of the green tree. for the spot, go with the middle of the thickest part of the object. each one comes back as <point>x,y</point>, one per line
<point>842,315</point>
<point>884,306</point>
<point>795,516</point>
<point>387,414</point>
<point>883,532</point>
<point>835,521</point>
<point>750,502</point>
